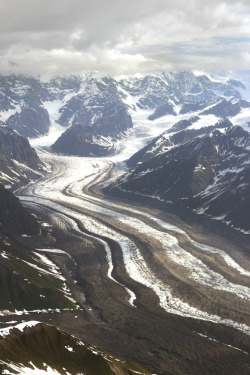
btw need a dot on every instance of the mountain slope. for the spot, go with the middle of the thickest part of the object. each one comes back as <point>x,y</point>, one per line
<point>34,347</point>
<point>28,280</point>
<point>180,133</point>
<point>227,108</point>
<point>14,218</point>
<point>98,139</point>
<point>21,105</point>
<point>18,160</point>
<point>209,173</point>
<point>98,117</point>
<point>180,93</point>
<point>27,283</point>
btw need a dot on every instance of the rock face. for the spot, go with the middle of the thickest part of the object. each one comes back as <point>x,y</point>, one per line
<point>14,218</point>
<point>83,142</point>
<point>99,118</point>
<point>53,351</point>
<point>30,121</point>
<point>18,160</point>
<point>26,280</point>
<point>25,283</point>
<point>178,134</point>
<point>172,94</point>
<point>21,104</point>
<point>98,139</point>
<point>14,146</point>
<point>227,108</point>
<point>61,88</point>
<point>208,173</point>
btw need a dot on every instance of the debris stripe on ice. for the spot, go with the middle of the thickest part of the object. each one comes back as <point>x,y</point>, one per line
<point>104,244</point>
<point>90,167</point>
<point>138,270</point>
<point>197,269</point>
<point>231,262</point>
<point>201,274</point>
<point>73,166</point>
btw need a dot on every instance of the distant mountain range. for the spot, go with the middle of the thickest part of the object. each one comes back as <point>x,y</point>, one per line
<point>98,112</point>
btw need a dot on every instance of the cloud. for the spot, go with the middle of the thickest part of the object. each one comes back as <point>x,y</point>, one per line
<point>121,37</point>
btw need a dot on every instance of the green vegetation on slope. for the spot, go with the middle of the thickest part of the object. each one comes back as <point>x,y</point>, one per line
<point>46,345</point>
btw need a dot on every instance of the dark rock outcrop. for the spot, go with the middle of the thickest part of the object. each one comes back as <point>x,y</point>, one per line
<point>24,96</point>
<point>227,108</point>
<point>18,160</point>
<point>99,118</point>
<point>14,218</point>
<point>14,146</point>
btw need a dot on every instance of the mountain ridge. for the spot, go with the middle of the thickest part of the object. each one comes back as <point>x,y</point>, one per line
<point>104,105</point>
<point>33,347</point>
<point>200,173</point>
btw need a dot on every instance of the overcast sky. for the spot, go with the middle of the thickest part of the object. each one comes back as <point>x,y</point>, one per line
<point>115,37</point>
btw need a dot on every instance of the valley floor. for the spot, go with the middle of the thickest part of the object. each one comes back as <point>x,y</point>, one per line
<point>150,287</point>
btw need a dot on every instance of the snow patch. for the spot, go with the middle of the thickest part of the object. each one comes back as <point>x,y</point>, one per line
<point>21,326</point>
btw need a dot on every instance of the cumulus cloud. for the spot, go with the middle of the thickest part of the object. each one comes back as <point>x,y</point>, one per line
<point>120,37</point>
